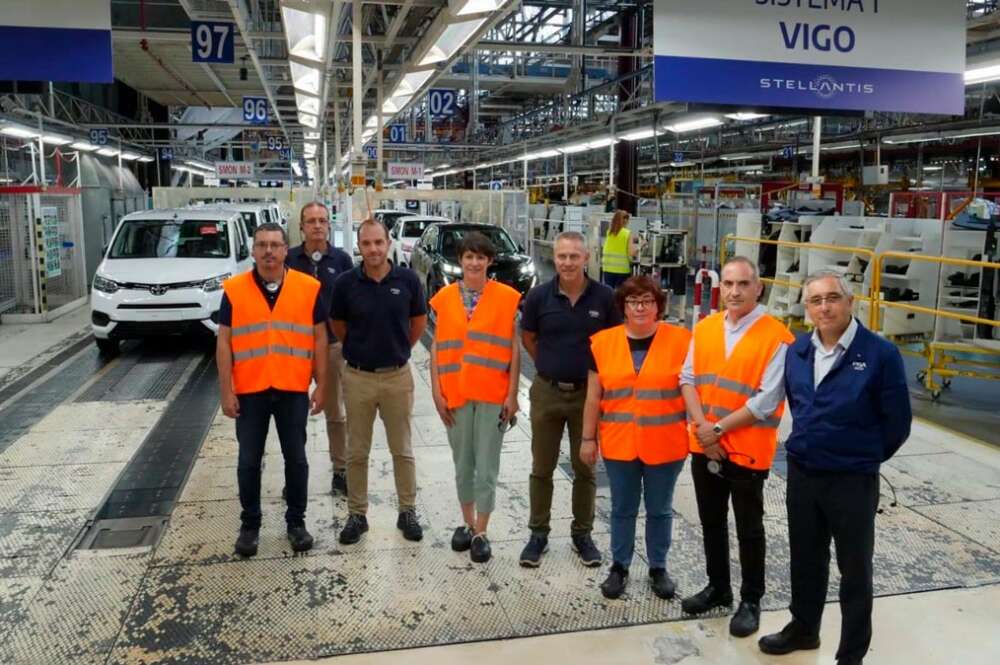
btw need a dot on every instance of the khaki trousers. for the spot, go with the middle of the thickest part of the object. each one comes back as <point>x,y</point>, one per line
<point>390,395</point>
<point>336,418</point>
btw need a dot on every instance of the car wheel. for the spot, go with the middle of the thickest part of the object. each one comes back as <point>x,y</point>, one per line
<point>107,347</point>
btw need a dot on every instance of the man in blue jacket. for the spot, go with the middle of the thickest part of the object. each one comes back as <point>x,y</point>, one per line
<point>850,409</point>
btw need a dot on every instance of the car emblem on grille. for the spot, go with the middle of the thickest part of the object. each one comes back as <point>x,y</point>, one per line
<point>158,289</point>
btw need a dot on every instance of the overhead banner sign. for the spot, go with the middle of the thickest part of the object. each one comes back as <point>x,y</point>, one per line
<point>234,170</point>
<point>405,170</point>
<point>56,40</point>
<point>858,55</point>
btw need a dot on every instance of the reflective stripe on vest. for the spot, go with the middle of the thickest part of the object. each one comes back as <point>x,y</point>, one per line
<point>725,384</point>
<point>642,415</point>
<point>292,327</point>
<point>250,329</point>
<point>476,336</point>
<point>279,349</point>
<point>449,344</point>
<point>486,362</point>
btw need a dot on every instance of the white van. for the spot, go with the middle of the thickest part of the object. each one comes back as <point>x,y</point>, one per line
<point>253,214</point>
<point>162,273</point>
<point>406,233</point>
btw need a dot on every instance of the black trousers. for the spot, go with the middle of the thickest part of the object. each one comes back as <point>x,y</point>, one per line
<point>713,493</point>
<point>841,506</point>
<point>290,411</point>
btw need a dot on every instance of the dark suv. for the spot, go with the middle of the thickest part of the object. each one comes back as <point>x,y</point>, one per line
<point>435,257</point>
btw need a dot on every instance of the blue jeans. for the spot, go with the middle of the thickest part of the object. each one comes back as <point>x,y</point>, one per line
<point>631,481</point>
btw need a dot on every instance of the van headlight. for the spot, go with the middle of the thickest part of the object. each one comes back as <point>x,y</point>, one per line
<point>105,285</point>
<point>528,269</point>
<point>215,283</point>
<point>450,269</point>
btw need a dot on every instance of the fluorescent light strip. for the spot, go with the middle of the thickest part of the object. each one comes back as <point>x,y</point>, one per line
<point>84,146</point>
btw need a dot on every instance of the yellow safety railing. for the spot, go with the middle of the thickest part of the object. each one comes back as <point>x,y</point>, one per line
<point>860,251</point>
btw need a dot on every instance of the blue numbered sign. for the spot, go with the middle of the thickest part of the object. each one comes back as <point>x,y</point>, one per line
<point>397,133</point>
<point>99,136</point>
<point>371,151</point>
<point>442,102</point>
<point>167,154</point>
<point>255,110</point>
<point>212,41</point>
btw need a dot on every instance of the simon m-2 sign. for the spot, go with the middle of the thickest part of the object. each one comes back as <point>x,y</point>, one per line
<point>855,55</point>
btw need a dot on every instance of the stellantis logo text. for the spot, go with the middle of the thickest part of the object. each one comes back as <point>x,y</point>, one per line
<point>823,86</point>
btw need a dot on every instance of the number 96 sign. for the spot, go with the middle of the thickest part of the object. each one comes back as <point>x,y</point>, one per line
<point>255,110</point>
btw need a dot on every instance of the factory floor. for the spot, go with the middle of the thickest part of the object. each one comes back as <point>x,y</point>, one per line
<point>118,510</point>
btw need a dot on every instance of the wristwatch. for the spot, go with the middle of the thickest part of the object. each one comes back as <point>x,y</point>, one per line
<point>717,428</point>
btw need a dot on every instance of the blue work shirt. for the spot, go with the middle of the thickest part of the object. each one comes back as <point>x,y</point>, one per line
<point>563,330</point>
<point>859,414</point>
<point>331,264</point>
<point>377,315</point>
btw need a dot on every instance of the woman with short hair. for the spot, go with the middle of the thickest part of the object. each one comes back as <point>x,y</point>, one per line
<point>635,412</point>
<point>475,365</point>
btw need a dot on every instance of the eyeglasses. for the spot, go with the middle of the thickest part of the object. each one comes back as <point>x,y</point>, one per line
<point>505,427</point>
<point>269,245</point>
<point>635,303</point>
<point>832,298</point>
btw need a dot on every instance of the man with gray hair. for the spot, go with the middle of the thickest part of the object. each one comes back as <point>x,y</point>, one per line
<point>732,385</point>
<point>846,387</point>
<point>558,319</point>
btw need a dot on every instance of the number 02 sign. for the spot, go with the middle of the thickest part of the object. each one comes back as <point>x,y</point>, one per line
<point>212,41</point>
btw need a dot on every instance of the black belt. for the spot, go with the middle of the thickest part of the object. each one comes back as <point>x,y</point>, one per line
<point>376,370</point>
<point>565,386</point>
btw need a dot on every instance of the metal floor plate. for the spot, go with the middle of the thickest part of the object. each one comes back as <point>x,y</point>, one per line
<point>32,543</point>
<point>42,488</point>
<point>976,520</point>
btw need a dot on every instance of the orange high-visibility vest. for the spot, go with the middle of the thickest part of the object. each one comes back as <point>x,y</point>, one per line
<point>473,355</point>
<point>642,415</point>
<point>725,384</point>
<point>272,348</point>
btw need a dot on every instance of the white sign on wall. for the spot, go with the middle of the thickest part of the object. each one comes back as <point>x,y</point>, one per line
<point>234,170</point>
<point>870,55</point>
<point>405,170</point>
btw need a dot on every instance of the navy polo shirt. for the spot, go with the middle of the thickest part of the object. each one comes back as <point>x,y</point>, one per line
<point>564,330</point>
<point>377,315</point>
<point>331,264</point>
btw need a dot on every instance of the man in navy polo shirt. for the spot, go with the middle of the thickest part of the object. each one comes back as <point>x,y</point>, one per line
<point>379,312</point>
<point>850,407</point>
<point>318,258</point>
<point>558,319</point>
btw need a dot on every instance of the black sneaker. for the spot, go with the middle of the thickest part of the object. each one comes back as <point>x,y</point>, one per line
<point>584,546</point>
<point>408,524</point>
<point>479,549</point>
<point>246,542</point>
<point>338,483</point>
<point>461,540</point>
<point>284,493</point>
<point>661,584</point>
<point>301,540</point>
<point>793,637</point>
<point>746,621</point>
<point>357,525</point>
<point>707,599</point>
<point>531,555</point>
<point>614,585</point>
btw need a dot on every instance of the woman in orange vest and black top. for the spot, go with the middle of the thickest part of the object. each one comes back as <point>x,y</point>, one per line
<point>635,410</point>
<point>475,365</point>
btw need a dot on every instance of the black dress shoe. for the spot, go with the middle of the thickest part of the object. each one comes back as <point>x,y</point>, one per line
<point>585,548</point>
<point>338,483</point>
<point>793,637</point>
<point>614,585</point>
<point>746,621</point>
<point>461,540</point>
<point>661,584</point>
<point>246,542</point>
<point>301,540</point>
<point>407,523</point>
<point>707,599</point>
<point>357,525</point>
<point>479,549</point>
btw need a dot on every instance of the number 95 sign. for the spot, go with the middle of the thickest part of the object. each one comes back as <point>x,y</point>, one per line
<point>212,41</point>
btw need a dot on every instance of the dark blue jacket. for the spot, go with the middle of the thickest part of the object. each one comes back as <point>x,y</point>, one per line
<point>858,417</point>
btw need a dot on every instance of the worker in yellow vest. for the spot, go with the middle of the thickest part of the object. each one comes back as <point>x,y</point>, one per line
<point>733,386</point>
<point>635,410</point>
<point>475,363</point>
<point>620,247</point>
<point>272,342</point>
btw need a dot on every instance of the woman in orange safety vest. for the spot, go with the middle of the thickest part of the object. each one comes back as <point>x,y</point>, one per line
<point>634,409</point>
<point>474,376</point>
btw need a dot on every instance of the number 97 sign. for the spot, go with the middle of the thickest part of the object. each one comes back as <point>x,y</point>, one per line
<point>212,41</point>
<point>255,110</point>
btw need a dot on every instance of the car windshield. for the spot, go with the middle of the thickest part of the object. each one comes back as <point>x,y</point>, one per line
<point>501,241</point>
<point>266,214</point>
<point>389,219</point>
<point>414,228</point>
<point>250,220</point>
<point>171,238</point>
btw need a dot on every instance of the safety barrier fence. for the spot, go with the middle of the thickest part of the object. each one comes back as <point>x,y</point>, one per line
<point>977,357</point>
